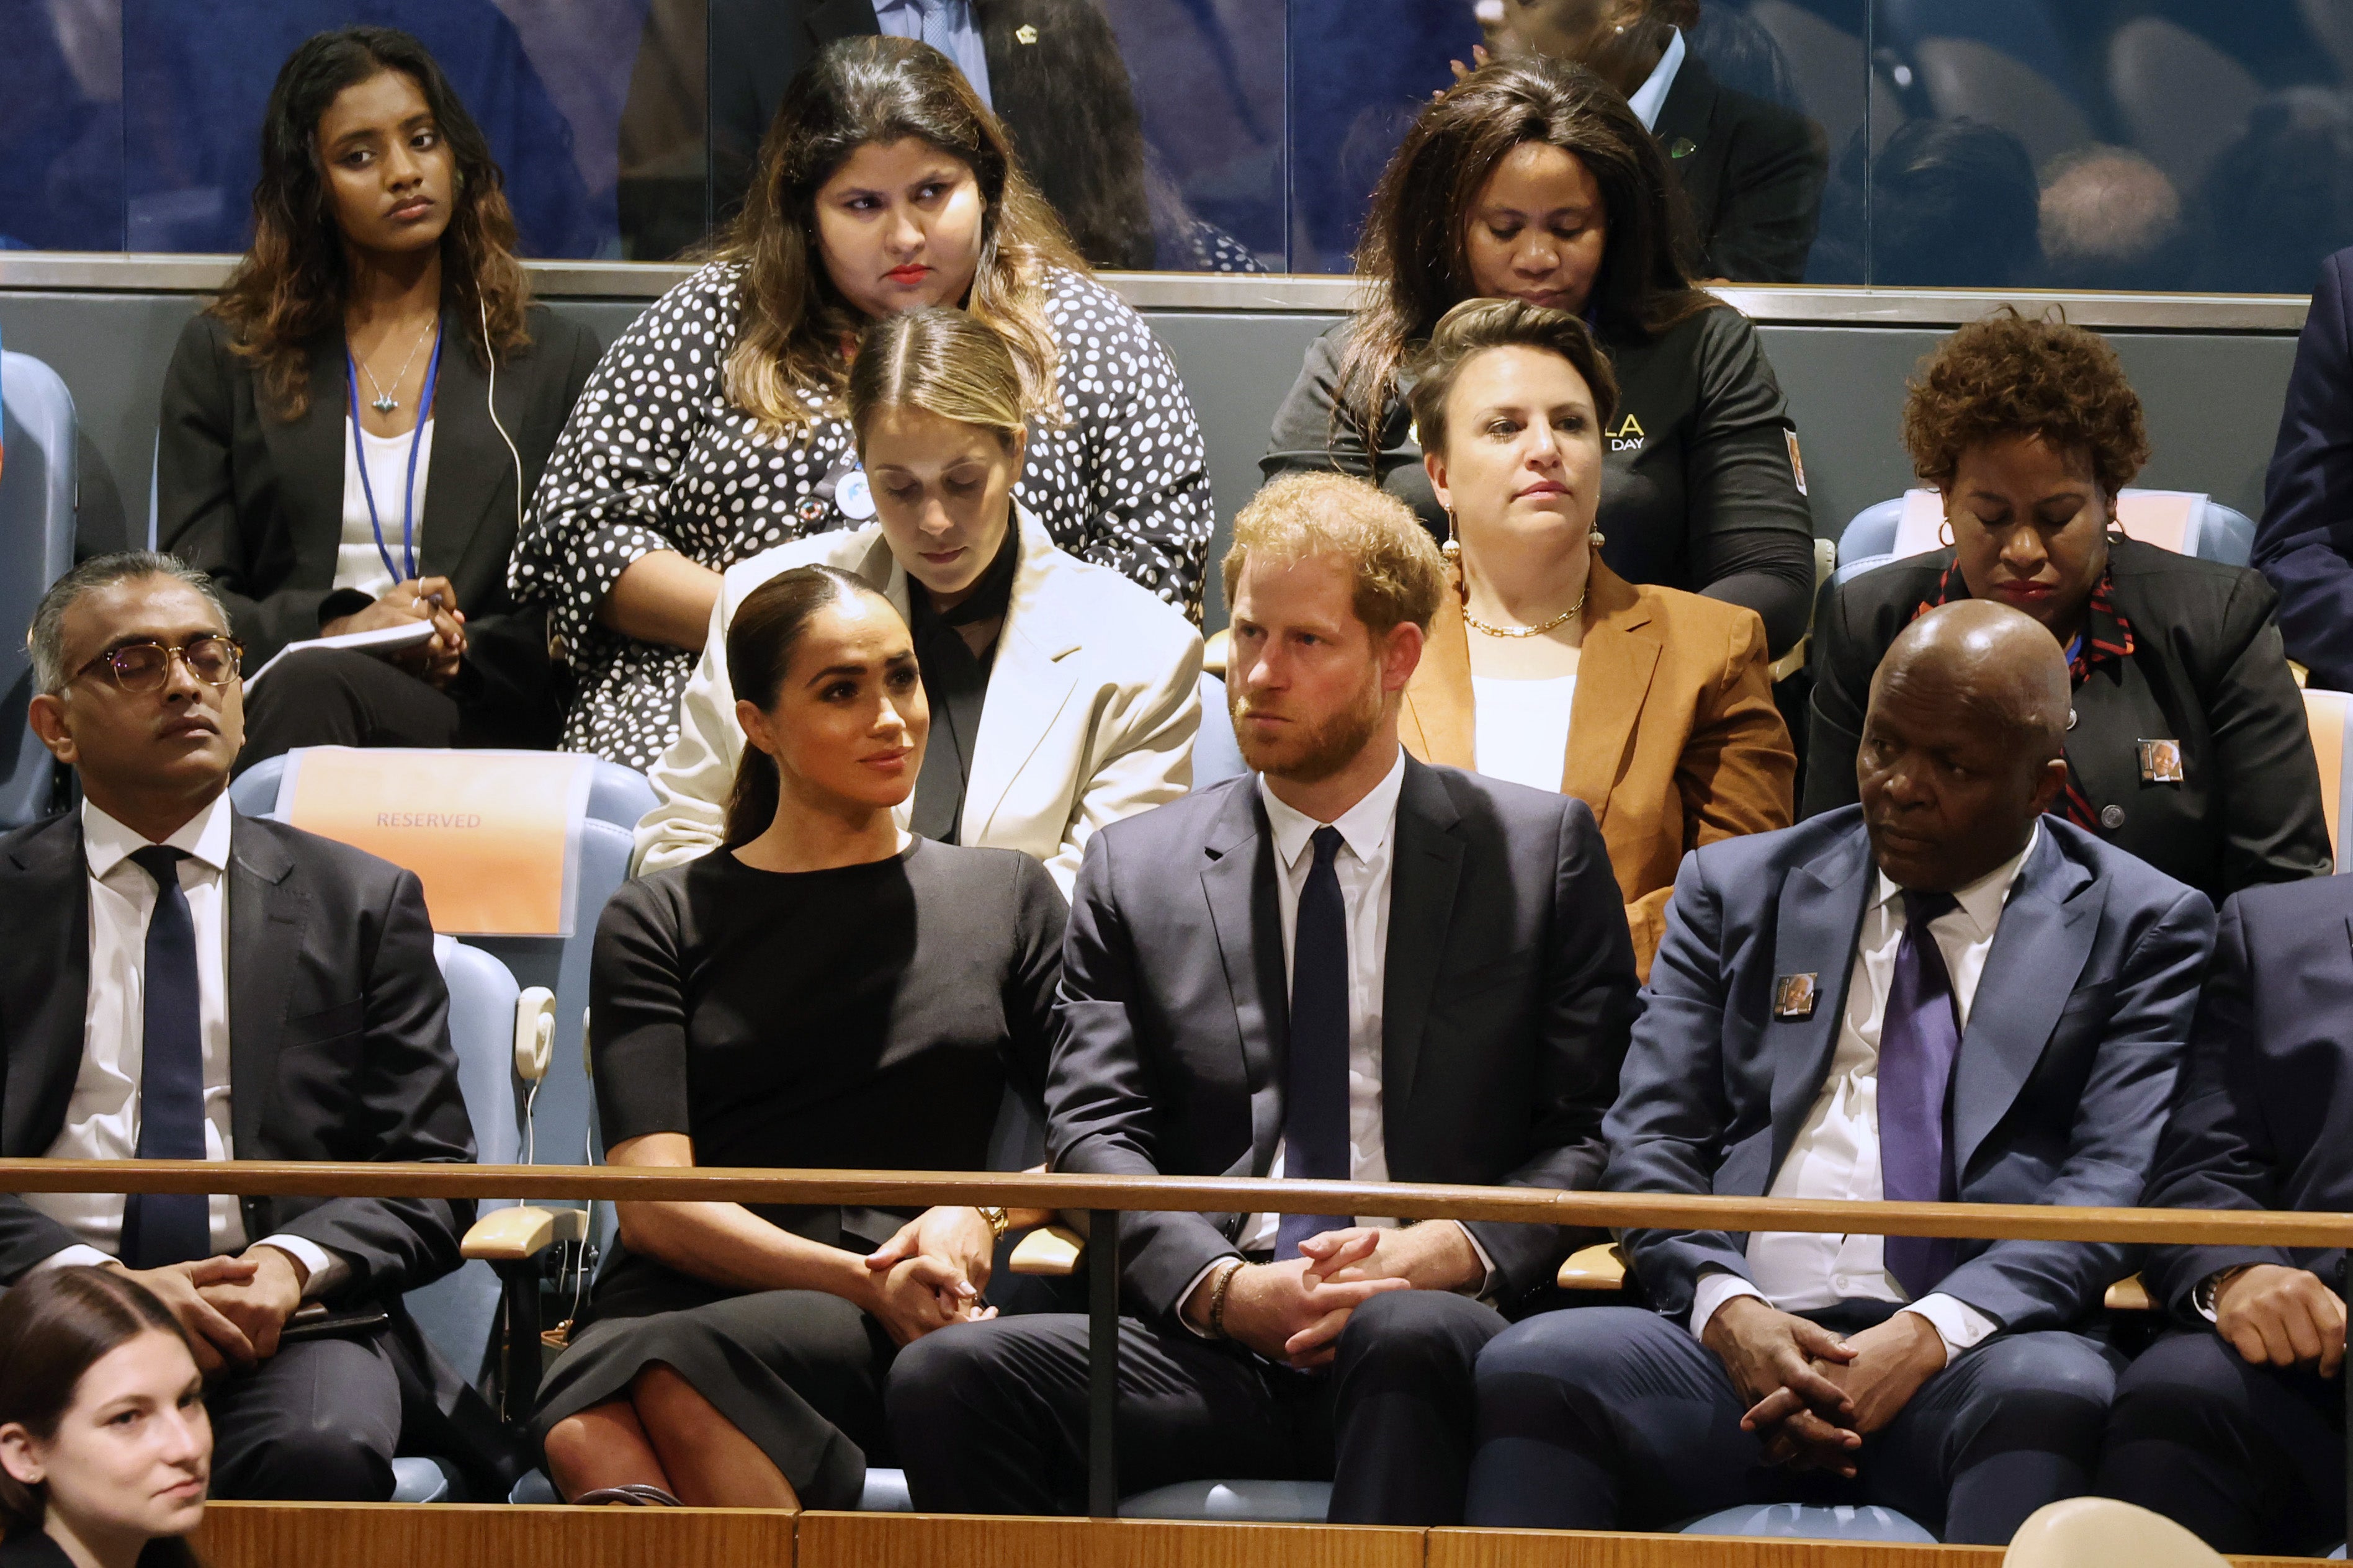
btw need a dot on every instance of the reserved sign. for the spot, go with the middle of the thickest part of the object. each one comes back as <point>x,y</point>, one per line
<point>489,834</point>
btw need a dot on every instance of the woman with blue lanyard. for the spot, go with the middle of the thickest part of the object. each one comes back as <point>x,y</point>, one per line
<point>350,431</point>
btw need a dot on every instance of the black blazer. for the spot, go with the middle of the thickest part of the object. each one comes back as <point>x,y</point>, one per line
<point>2207,670</point>
<point>1752,172</point>
<point>2263,1115</point>
<point>36,1548</point>
<point>258,502</point>
<point>339,1038</point>
<point>2305,541</point>
<point>1507,1001</point>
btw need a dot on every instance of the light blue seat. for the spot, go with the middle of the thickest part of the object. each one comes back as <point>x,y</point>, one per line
<point>38,497</point>
<point>1808,1521</point>
<point>1216,754</point>
<point>1242,1503</point>
<point>2211,531</point>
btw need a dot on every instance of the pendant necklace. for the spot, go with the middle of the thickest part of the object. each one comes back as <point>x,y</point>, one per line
<point>386,402</point>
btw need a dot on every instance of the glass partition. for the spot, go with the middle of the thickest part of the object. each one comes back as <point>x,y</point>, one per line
<point>2104,144</point>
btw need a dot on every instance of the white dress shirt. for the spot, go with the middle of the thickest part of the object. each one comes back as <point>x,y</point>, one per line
<point>1836,1151</point>
<point>1520,729</point>
<point>359,564</point>
<point>1651,96</point>
<point>905,19</point>
<point>102,1118</point>
<point>1367,851</point>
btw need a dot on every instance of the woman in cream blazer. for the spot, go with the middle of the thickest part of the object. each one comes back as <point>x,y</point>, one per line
<point>1670,732</point>
<point>1087,699</point>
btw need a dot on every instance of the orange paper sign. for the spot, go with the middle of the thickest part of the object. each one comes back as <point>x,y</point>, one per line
<point>488,833</point>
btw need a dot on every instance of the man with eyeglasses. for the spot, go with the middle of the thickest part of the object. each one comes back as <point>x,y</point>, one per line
<point>179,982</point>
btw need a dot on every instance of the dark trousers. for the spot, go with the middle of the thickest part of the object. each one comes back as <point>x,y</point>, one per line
<point>1615,1417</point>
<point>318,1422</point>
<point>992,1417</point>
<point>2250,1458</point>
<point>341,697</point>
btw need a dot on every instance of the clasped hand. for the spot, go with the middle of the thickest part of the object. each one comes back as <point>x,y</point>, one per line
<point>932,1274</point>
<point>2281,1317</point>
<point>437,659</point>
<point>1813,1396</point>
<point>232,1308</point>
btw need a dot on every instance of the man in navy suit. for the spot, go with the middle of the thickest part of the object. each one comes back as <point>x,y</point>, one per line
<point>2235,1424</point>
<point>1802,1041</point>
<point>2305,541</point>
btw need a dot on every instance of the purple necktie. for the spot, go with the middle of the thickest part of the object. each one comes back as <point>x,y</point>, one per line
<point>1919,1039</point>
<point>1316,1076</point>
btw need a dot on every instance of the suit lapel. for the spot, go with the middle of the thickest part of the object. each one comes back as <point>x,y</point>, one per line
<point>1436,721</point>
<point>2038,955</point>
<point>1239,881</point>
<point>831,19</point>
<point>46,1001</point>
<point>1030,682</point>
<point>1613,680</point>
<point>266,911</point>
<point>1426,869</point>
<point>1815,928</point>
<point>470,467</point>
<point>308,456</point>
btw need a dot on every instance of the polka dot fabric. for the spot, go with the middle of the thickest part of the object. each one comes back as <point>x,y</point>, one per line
<point>655,458</point>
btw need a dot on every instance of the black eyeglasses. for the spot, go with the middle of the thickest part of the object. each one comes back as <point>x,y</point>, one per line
<point>142,667</point>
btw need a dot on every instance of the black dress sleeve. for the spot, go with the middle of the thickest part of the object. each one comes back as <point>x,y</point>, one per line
<point>637,998</point>
<point>1752,534</point>
<point>1841,661</point>
<point>1032,977</point>
<point>1306,436</point>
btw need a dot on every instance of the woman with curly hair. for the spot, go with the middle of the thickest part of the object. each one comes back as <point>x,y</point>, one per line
<point>1533,180</point>
<point>714,429</point>
<point>350,430</point>
<point>2187,745</point>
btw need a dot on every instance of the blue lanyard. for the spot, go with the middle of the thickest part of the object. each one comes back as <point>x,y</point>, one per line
<point>408,505</point>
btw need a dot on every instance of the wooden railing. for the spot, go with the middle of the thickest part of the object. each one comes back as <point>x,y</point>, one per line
<point>1104,1198</point>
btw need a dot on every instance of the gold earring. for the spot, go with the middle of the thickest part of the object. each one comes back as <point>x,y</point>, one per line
<point>1944,532</point>
<point>1597,538</point>
<point>1452,549</point>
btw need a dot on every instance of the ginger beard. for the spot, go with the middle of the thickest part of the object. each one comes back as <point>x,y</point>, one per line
<point>1310,751</point>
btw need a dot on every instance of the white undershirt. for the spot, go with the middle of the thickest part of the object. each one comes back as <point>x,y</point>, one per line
<point>357,562</point>
<point>1521,729</point>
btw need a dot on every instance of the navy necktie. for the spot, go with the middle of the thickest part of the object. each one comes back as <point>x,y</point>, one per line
<point>169,1227</point>
<point>1919,1037</point>
<point>1316,1077</point>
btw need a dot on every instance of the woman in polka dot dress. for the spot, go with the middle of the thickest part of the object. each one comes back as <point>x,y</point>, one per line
<point>712,429</point>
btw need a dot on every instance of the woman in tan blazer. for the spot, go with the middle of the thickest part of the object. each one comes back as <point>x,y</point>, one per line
<point>1652,705</point>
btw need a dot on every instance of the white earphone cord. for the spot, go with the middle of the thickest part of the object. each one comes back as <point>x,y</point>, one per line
<point>491,400</point>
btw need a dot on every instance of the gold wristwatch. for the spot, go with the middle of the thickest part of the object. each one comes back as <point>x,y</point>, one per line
<point>998,1222</point>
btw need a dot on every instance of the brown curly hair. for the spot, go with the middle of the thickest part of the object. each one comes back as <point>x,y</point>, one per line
<point>2007,376</point>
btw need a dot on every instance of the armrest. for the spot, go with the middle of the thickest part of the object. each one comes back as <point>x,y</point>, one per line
<point>1790,663</point>
<point>1050,1251</point>
<point>507,1235</point>
<point>2130,1295</point>
<point>1598,1267</point>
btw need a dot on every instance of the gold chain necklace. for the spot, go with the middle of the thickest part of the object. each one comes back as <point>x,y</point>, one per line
<point>1476,625</point>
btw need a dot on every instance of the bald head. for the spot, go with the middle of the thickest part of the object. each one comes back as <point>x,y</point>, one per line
<point>1962,747</point>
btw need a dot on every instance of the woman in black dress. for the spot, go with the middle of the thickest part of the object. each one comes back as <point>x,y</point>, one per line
<point>821,991</point>
<point>1532,180</point>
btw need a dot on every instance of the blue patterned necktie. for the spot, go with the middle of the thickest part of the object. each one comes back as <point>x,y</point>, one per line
<point>938,27</point>
<point>1919,1038</point>
<point>169,1227</point>
<point>1315,1076</point>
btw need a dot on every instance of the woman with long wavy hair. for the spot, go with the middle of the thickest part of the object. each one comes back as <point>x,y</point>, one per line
<point>350,429</point>
<point>1533,180</point>
<point>714,428</point>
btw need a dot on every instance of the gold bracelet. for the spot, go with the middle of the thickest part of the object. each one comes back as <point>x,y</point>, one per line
<point>1217,1293</point>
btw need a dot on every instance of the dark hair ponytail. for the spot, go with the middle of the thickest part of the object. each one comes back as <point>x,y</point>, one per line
<point>54,1327</point>
<point>760,642</point>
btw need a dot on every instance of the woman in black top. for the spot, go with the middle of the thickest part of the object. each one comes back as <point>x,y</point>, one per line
<point>1532,180</point>
<point>2188,744</point>
<point>821,991</point>
<point>104,1448</point>
<point>331,451</point>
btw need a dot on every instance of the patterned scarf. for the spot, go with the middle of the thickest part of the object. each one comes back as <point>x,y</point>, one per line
<point>2106,638</point>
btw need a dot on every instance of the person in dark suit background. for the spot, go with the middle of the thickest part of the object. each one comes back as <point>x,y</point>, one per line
<point>2304,545</point>
<point>1801,1041</point>
<point>1751,172</point>
<point>104,1448</point>
<point>2233,1424</point>
<point>179,982</point>
<point>1348,965</point>
<point>331,452</point>
<point>2188,744</point>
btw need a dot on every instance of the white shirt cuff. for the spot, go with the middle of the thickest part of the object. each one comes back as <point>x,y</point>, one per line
<point>1715,1287</point>
<point>74,1256</point>
<point>324,1270</point>
<point>1186,1294</point>
<point>1957,1323</point>
<point>1486,1264</point>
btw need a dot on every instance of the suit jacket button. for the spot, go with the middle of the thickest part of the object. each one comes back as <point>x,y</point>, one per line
<point>2112,817</point>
